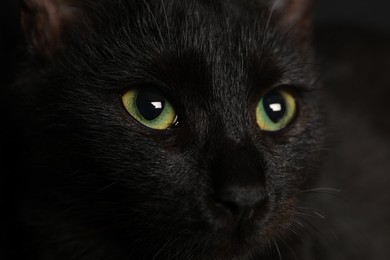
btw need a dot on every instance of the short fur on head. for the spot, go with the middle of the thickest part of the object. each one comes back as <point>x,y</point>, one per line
<point>99,185</point>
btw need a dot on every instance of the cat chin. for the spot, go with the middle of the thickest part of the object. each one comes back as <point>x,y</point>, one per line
<point>245,240</point>
<point>228,248</point>
<point>218,241</point>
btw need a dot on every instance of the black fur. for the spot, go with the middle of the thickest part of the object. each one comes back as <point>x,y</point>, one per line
<point>95,184</point>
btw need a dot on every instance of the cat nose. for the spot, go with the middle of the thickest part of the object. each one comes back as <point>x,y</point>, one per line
<point>241,202</point>
<point>239,182</point>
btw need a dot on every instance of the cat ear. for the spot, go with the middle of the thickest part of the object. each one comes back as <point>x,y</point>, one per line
<point>44,22</point>
<point>294,16</point>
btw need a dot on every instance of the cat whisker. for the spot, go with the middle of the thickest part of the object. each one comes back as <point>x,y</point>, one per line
<point>335,193</point>
<point>334,196</point>
<point>168,244</point>
<point>107,186</point>
<point>320,219</point>
<point>321,189</point>
<point>288,247</point>
<point>319,215</point>
<point>166,21</point>
<point>299,223</point>
<point>309,227</point>
<point>160,250</point>
<point>293,231</point>
<point>315,212</point>
<point>155,21</point>
<point>305,214</point>
<point>277,249</point>
<point>267,25</point>
<point>269,247</point>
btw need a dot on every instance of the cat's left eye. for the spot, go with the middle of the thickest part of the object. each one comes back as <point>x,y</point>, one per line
<point>150,108</point>
<point>276,110</point>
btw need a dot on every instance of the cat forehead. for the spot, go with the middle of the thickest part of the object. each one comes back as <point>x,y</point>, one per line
<point>49,24</point>
<point>217,44</point>
<point>205,49</point>
<point>200,46</point>
<point>201,32</point>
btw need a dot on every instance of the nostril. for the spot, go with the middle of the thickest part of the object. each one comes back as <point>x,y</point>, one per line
<point>233,208</point>
<point>241,202</point>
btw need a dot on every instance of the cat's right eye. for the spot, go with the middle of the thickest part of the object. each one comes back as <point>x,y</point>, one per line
<point>276,110</point>
<point>150,108</point>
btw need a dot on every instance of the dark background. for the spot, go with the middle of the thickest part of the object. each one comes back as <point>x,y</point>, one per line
<point>374,13</point>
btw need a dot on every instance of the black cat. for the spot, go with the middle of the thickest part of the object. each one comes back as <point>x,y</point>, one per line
<point>167,129</point>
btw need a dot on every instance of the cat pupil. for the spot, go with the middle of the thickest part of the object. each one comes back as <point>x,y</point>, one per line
<point>274,106</point>
<point>150,104</point>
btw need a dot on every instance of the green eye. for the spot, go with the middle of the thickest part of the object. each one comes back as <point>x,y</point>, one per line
<point>150,108</point>
<point>275,110</point>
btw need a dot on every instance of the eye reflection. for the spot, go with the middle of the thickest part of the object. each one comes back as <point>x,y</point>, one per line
<point>150,104</point>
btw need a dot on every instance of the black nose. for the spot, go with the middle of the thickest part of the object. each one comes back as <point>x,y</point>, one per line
<point>241,202</point>
<point>239,180</point>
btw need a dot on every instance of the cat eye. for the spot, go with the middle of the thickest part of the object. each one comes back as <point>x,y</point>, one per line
<point>150,108</point>
<point>275,110</point>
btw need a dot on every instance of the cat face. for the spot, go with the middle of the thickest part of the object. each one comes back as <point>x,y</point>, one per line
<point>164,127</point>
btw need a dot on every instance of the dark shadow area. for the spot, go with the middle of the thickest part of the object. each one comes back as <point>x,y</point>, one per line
<point>11,52</point>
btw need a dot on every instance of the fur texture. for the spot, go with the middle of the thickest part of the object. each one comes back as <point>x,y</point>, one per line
<point>95,184</point>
